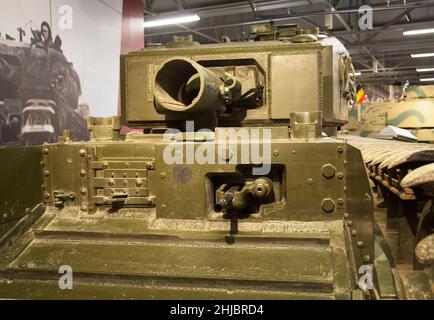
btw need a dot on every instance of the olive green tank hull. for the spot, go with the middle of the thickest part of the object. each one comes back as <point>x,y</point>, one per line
<point>291,249</point>
<point>125,257</point>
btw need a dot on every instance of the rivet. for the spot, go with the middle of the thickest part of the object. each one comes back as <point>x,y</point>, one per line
<point>149,165</point>
<point>340,201</point>
<point>328,205</point>
<point>113,175</point>
<point>349,223</point>
<point>125,183</point>
<point>366,258</point>
<point>340,175</point>
<point>83,208</point>
<point>43,187</point>
<point>46,173</point>
<point>340,149</point>
<point>124,174</point>
<point>346,215</point>
<point>68,160</point>
<point>276,153</point>
<point>139,182</point>
<point>162,175</point>
<point>83,191</point>
<point>293,152</point>
<point>105,165</point>
<point>27,210</point>
<point>354,233</point>
<point>82,172</point>
<point>45,151</point>
<point>309,181</point>
<point>82,152</point>
<point>46,195</point>
<point>360,244</point>
<point>111,182</point>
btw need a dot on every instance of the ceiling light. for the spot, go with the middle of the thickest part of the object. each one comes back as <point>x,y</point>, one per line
<point>417,32</point>
<point>425,69</point>
<point>171,20</point>
<point>422,55</point>
<point>427,79</point>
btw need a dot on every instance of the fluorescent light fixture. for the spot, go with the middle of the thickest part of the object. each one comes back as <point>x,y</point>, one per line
<point>427,79</point>
<point>357,74</point>
<point>425,69</point>
<point>417,32</point>
<point>422,55</point>
<point>171,20</point>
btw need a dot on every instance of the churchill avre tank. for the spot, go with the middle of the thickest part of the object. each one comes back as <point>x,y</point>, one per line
<point>39,92</point>
<point>231,192</point>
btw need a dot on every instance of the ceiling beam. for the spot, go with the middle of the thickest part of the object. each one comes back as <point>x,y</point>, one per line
<point>390,23</point>
<point>189,30</point>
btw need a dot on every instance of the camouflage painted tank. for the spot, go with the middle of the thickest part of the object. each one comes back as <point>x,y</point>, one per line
<point>414,113</point>
<point>39,93</point>
<point>245,207</point>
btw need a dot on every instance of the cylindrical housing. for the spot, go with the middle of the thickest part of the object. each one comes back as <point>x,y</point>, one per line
<point>182,85</point>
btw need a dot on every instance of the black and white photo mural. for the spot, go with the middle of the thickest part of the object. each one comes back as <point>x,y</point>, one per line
<point>59,63</point>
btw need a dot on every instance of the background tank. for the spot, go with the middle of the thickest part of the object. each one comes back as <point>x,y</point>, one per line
<point>39,91</point>
<point>413,112</point>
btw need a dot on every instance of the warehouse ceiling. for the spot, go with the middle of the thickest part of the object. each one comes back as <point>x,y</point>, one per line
<point>381,54</point>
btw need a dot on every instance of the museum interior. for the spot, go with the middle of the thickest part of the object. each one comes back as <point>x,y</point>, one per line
<point>217,149</point>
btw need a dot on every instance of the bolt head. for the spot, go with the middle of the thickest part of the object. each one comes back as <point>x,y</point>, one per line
<point>328,205</point>
<point>328,171</point>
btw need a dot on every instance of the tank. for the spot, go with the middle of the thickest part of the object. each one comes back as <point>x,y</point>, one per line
<point>39,91</point>
<point>232,191</point>
<point>413,112</point>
